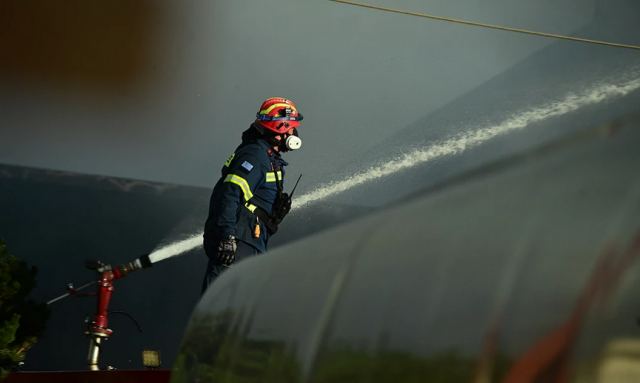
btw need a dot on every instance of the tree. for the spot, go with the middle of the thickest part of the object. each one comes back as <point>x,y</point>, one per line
<point>22,320</point>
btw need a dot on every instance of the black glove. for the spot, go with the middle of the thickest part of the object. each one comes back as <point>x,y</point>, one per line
<point>227,250</point>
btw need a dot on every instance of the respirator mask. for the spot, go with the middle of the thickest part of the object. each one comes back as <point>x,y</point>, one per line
<point>284,142</point>
<point>287,141</point>
<point>293,142</point>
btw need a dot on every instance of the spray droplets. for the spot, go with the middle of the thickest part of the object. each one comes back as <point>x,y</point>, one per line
<point>452,146</point>
<point>467,140</point>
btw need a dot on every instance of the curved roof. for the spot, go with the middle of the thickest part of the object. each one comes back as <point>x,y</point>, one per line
<point>520,269</point>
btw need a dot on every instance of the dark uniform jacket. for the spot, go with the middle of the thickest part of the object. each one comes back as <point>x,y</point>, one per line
<point>249,179</point>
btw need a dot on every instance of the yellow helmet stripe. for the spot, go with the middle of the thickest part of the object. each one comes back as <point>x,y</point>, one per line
<point>272,107</point>
<point>242,183</point>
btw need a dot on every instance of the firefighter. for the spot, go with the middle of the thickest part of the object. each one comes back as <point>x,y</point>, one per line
<point>248,202</point>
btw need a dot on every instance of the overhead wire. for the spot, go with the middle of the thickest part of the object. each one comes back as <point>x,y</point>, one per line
<point>486,25</point>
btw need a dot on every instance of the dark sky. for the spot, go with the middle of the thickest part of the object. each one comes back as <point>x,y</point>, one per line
<point>160,90</point>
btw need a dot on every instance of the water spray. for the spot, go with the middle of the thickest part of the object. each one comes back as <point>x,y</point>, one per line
<point>97,329</point>
<point>464,141</point>
<point>455,145</point>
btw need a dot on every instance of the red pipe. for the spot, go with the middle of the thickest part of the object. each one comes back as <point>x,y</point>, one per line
<point>105,290</point>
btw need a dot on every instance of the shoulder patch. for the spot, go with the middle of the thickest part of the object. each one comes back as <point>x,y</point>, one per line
<point>247,166</point>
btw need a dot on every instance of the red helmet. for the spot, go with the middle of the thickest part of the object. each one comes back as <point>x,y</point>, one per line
<point>278,115</point>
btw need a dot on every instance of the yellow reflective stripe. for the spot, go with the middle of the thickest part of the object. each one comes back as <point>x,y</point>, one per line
<point>244,185</point>
<point>228,162</point>
<point>271,176</point>
<point>272,107</point>
<point>250,206</point>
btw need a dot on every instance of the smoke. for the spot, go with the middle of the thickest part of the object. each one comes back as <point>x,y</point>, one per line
<point>452,146</point>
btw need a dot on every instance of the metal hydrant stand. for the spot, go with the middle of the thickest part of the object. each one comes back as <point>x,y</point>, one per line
<point>98,330</point>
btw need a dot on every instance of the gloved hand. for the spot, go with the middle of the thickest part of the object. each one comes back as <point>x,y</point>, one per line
<point>227,250</point>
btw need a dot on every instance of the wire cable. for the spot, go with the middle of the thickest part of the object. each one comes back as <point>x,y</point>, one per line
<point>489,26</point>
<point>126,314</point>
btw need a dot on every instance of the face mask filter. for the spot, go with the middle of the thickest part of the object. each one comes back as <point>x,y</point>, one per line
<point>293,143</point>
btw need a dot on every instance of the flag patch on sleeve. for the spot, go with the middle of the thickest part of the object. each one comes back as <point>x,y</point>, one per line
<point>247,166</point>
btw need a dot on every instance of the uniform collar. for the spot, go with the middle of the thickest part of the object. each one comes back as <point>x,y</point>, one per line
<point>267,147</point>
<point>250,135</point>
<point>275,157</point>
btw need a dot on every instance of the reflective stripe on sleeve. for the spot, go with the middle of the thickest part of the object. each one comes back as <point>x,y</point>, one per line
<point>242,183</point>
<point>250,206</point>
